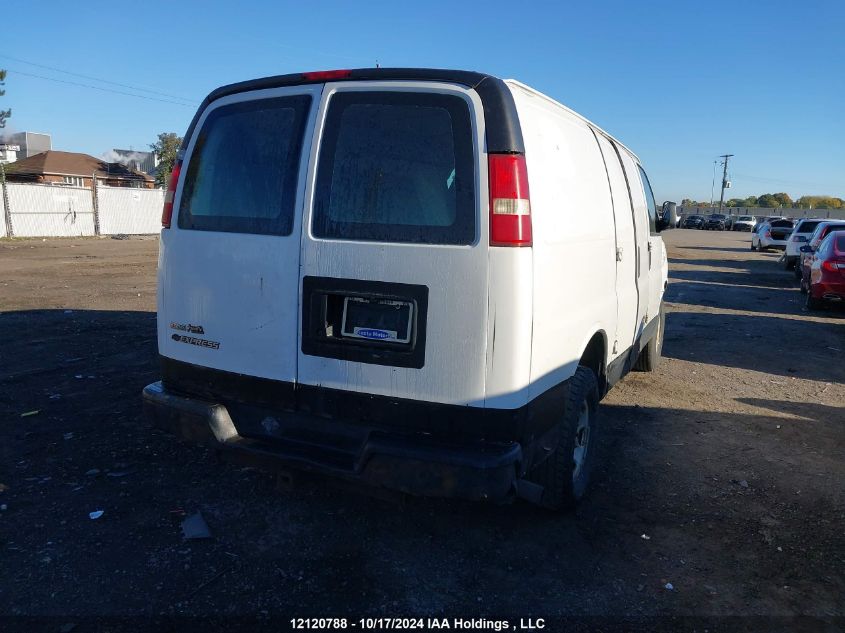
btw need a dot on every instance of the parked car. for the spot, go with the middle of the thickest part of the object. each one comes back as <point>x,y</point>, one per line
<point>332,275</point>
<point>827,273</point>
<point>799,236</point>
<point>744,223</point>
<point>807,251</point>
<point>729,222</point>
<point>771,235</point>
<point>694,222</point>
<point>768,218</point>
<point>715,222</point>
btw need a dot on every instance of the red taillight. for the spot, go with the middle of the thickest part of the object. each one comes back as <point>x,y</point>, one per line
<point>167,210</point>
<point>834,265</point>
<point>326,75</point>
<point>510,202</point>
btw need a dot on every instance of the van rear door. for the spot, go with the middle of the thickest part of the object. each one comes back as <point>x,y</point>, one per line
<point>229,266</point>
<point>394,247</point>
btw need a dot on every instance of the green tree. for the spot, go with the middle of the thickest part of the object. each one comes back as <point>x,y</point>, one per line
<point>768,200</point>
<point>4,114</point>
<point>783,199</point>
<point>819,202</point>
<point>166,148</point>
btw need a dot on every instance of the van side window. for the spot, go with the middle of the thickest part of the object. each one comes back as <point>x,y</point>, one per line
<point>396,167</point>
<point>649,197</point>
<point>244,168</point>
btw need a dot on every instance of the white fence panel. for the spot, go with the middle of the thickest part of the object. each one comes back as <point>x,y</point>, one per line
<point>129,211</point>
<point>45,210</point>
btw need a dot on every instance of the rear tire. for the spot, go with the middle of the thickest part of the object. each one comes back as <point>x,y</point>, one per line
<point>565,474</point>
<point>650,356</point>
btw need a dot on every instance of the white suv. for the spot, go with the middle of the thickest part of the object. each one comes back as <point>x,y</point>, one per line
<point>800,236</point>
<point>361,274</point>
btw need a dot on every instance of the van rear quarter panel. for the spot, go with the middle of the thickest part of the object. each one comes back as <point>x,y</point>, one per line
<point>574,252</point>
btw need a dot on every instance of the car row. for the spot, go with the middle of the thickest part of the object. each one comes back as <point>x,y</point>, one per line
<point>820,268</point>
<point>814,248</point>
<point>718,222</point>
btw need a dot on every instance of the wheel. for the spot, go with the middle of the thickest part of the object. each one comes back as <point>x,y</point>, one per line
<point>650,356</point>
<point>813,303</point>
<point>565,473</point>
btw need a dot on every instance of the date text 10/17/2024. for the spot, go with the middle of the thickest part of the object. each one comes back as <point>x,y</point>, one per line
<point>418,624</point>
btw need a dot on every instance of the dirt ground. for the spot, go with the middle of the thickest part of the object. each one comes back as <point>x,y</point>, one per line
<point>722,477</point>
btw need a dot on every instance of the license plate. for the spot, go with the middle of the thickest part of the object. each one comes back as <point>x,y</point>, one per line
<point>380,320</point>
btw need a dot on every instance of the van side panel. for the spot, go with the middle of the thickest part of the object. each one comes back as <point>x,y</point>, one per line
<point>626,243</point>
<point>574,241</point>
<point>646,258</point>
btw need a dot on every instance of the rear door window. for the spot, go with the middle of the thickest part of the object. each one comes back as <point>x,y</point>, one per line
<point>396,167</point>
<point>807,227</point>
<point>244,168</point>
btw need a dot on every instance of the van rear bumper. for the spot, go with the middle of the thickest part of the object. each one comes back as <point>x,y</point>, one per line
<point>414,464</point>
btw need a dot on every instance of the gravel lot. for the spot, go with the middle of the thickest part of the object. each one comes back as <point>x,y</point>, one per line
<point>722,474</point>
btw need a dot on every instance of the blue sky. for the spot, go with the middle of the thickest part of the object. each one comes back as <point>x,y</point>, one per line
<point>679,82</point>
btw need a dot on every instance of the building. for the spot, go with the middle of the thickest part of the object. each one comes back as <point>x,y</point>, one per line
<point>75,170</point>
<point>9,152</point>
<point>139,161</point>
<point>30,143</point>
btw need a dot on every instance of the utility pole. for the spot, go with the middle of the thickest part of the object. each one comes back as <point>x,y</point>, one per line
<point>724,181</point>
<point>713,183</point>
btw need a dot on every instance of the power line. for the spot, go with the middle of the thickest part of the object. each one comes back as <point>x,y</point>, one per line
<point>119,92</point>
<point>104,81</point>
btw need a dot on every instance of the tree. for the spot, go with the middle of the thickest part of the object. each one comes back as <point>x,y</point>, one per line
<point>166,149</point>
<point>819,202</point>
<point>768,201</point>
<point>4,114</point>
<point>783,199</point>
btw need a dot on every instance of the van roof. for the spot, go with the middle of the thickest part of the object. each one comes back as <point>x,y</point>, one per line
<point>504,134</point>
<point>537,93</point>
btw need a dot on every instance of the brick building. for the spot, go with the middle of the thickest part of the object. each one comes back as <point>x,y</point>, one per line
<point>75,170</point>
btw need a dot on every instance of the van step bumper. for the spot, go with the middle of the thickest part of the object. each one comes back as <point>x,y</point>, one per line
<point>417,465</point>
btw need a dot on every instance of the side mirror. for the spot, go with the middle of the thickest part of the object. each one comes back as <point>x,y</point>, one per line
<point>662,224</point>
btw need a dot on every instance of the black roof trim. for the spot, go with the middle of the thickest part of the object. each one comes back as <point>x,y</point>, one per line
<point>503,132</point>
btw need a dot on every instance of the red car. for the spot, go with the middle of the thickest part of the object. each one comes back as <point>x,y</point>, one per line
<point>827,274</point>
<point>807,252</point>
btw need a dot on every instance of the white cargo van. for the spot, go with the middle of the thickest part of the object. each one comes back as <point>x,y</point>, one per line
<point>423,280</point>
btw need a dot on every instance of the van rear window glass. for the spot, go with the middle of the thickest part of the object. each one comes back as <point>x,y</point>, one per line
<point>396,167</point>
<point>244,168</point>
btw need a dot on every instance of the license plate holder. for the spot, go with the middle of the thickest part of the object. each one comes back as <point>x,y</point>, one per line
<point>377,320</point>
